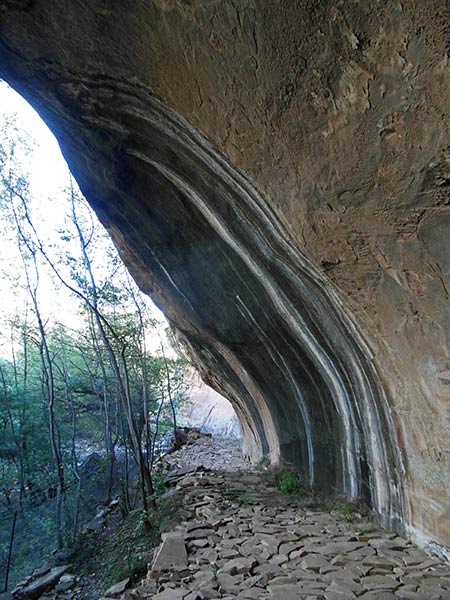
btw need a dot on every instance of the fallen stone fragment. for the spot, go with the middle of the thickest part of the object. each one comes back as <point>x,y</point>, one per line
<point>283,580</point>
<point>169,495</point>
<point>313,562</point>
<point>65,583</point>
<point>284,592</point>
<point>288,547</point>
<point>238,566</point>
<point>380,561</point>
<point>38,586</point>
<point>199,533</point>
<point>339,595</point>
<point>296,554</point>
<point>229,553</point>
<point>200,543</point>
<point>118,588</point>
<point>171,553</point>
<point>379,595</point>
<point>405,594</point>
<point>278,559</point>
<point>253,594</point>
<point>194,596</point>
<point>229,584</point>
<point>171,594</point>
<point>380,582</point>
<point>341,585</point>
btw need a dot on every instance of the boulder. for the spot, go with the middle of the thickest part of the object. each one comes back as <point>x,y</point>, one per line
<point>118,588</point>
<point>171,553</point>
<point>38,586</point>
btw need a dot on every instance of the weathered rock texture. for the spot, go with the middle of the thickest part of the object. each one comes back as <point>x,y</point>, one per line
<point>207,409</point>
<point>314,291</point>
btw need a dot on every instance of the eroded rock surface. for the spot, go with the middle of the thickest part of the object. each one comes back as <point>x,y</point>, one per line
<point>314,291</point>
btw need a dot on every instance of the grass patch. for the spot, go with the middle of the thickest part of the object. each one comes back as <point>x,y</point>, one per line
<point>290,484</point>
<point>236,496</point>
<point>349,510</point>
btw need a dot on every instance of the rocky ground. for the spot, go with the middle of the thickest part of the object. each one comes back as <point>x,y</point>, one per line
<point>244,539</point>
<point>220,454</point>
<point>240,537</point>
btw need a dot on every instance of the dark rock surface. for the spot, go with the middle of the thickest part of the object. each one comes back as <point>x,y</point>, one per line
<point>320,303</point>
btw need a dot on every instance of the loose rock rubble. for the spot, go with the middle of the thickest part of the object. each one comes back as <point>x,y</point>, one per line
<point>245,540</point>
<point>45,579</point>
<point>220,454</point>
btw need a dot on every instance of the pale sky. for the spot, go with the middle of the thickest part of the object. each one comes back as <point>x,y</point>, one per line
<point>48,169</point>
<point>48,176</point>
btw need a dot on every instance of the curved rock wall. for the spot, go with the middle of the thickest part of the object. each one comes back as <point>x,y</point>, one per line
<point>313,291</point>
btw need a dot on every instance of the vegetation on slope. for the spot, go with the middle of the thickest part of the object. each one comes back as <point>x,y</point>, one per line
<point>81,372</point>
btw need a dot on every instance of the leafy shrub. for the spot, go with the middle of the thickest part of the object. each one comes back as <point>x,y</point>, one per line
<point>290,484</point>
<point>346,509</point>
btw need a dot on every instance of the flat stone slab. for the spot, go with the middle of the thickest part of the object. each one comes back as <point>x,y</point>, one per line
<point>170,594</point>
<point>267,546</point>
<point>46,582</point>
<point>118,588</point>
<point>171,553</point>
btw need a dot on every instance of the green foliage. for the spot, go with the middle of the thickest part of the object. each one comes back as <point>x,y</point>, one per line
<point>243,499</point>
<point>348,510</point>
<point>236,496</point>
<point>144,516</point>
<point>119,551</point>
<point>159,484</point>
<point>289,483</point>
<point>86,406</point>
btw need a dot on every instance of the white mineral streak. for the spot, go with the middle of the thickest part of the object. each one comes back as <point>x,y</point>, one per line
<point>173,126</point>
<point>287,311</point>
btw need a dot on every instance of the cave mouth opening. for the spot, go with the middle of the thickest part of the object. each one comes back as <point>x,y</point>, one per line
<point>261,323</point>
<point>66,445</point>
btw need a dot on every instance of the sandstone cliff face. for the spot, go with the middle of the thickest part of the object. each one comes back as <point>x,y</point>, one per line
<point>313,291</point>
<point>208,410</point>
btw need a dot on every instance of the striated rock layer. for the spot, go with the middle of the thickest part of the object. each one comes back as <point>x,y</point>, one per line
<point>313,290</point>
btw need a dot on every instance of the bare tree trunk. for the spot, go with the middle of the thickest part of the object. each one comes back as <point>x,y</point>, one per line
<point>28,252</point>
<point>14,434</point>
<point>123,388</point>
<point>102,327</point>
<point>49,385</point>
<point>156,433</point>
<point>144,375</point>
<point>126,481</point>
<point>10,548</point>
<point>169,393</point>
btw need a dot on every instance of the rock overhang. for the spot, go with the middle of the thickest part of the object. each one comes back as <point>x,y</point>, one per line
<point>306,303</point>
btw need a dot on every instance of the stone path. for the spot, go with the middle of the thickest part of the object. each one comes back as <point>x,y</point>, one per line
<point>220,454</point>
<point>243,539</point>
